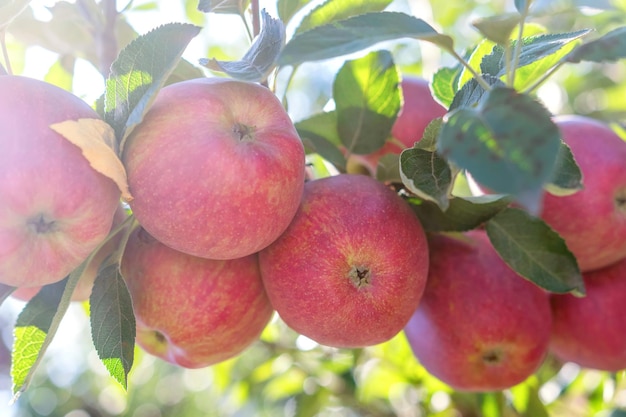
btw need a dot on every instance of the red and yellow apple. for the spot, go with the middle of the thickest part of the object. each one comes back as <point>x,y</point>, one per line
<point>216,168</point>
<point>479,326</point>
<point>54,208</point>
<point>590,331</point>
<point>191,311</point>
<point>350,269</point>
<point>592,221</point>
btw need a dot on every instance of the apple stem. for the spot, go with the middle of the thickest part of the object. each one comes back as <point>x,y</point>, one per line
<point>5,53</point>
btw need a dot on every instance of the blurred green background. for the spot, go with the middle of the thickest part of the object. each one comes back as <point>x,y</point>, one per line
<point>285,374</point>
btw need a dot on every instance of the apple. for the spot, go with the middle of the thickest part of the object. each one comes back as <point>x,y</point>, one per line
<point>419,108</point>
<point>479,326</point>
<point>592,221</point>
<point>55,209</point>
<point>192,311</point>
<point>590,331</point>
<point>216,168</point>
<point>350,269</point>
<point>82,291</point>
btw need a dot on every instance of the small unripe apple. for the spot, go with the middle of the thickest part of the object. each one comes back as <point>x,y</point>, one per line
<point>216,168</point>
<point>590,331</point>
<point>592,221</point>
<point>54,208</point>
<point>350,269</point>
<point>191,311</point>
<point>479,326</point>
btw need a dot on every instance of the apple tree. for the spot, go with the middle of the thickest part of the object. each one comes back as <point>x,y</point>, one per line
<point>313,208</point>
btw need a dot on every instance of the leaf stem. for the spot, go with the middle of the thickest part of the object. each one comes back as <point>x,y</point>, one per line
<point>481,81</point>
<point>5,53</point>
<point>544,77</point>
<point>518,46</point>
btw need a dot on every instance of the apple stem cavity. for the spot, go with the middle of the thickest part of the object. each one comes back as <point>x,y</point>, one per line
<point>360,276</point>
<point>620,200</point>
<point>41,225</point>
<point>243,132</point>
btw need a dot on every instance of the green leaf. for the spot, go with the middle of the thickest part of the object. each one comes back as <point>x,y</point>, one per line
<point>113,323</point>
<point>445,84</point>
<point>476,57</point>
<point>319,135</point>
<point>140,71</point>
<point>356,33</point>
<point>367,101</point>
<point>472,93</point>
<point>10,9</point>
<point>61,73</point>
<point>224,6</point>
<point>498,28</point>
<point>608,48</point>
<point>426,175</point>
<point>508,143</point>
<point>260,59</point>
<point>567,177</point>
<point>463,214</point>
<point>288,8</point>
<point>535,251</point>
<point>37,324</point>
<point>333,10</point>
<point>431,134</point>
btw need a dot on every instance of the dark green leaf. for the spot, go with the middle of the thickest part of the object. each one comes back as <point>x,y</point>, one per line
<point>567,177</point>
<point>508,143</point>
<point>288,8</point>
<point>37,324</point>
<point>463,214</point>
<point>608,48</point>
<point>431,133</point>
<point>472,93</point>
<point>356,33</point>
<point>426,175</point>
<point>113,323</point>
<point>5,291</point>
<point>367,100</point>
<point>224,6</point>
<point>333,10</point>
<point>536,252</point>
<point>140,71</point>
<point>445,84</point>
<point>498,28</point>
<point>260,59</point>
<point>319,135</point>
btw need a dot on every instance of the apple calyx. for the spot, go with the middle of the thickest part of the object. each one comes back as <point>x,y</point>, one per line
<point>243,132</point>
<point>620,200</point>
<point>360,276</point>
<point>493,356</point>
<point>41,225</point>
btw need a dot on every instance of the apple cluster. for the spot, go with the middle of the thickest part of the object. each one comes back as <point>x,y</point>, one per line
<point>229,230</point>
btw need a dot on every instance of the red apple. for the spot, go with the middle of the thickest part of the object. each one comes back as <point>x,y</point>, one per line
<point>591,331</point>
<point>54,208</point>
<point>82,292</point>
<point>216,168</point>
<point>592,221</point>
<point>350,269</point>
<point>191,311</point>
<point>479,326</point>
<point>419,108</point>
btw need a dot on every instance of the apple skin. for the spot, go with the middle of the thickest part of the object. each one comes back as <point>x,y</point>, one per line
<point>191,311</point>
<point>590,331</point>
<point>419,108</point>
<point>480,326</point>
<point>216,168</point>
<point>55,208</point>
<point>82,292</point>
<point>592,221</point>
<point>346,226</point>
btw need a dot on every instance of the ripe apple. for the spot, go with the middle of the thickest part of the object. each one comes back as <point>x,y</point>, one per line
<point>592,221</point>
<point>55,209</point>
<point>350,269</point>
<point>479,326</point>
<point>216,168</point>
<point>419,108</point>
<point>191,311</point>
<point>85,283</point>
<point>590,331</point>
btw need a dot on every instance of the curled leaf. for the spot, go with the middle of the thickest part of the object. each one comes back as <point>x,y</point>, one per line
<point>96,140</point>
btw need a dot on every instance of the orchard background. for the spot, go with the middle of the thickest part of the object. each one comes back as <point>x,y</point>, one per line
<point>73,45</point>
